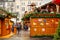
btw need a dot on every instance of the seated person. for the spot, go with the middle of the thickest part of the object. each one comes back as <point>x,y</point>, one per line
<point>51,11</point>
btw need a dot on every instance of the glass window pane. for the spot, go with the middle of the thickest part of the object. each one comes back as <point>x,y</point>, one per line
<point>17,6</point>
<point>23,3</point>
<point>23,8</point>
<point>29,2</point>
<point>29,8</point>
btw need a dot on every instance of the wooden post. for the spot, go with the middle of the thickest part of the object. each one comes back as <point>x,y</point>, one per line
<point>57,8</point>
<point>0,27</point>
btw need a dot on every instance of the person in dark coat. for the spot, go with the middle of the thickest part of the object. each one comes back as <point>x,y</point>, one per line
<point>25,27</point>
<point>13,27</point>
<point>19,27</point>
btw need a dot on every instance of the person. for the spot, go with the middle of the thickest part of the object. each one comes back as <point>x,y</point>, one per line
<point>33,7</point>
<point>25,13</point>
<point>38,9</point>
<point>13,27</point>
<point>51,10</point>
<point>44,11</point>
<point>25,27</point>
<point>18,27</point>
<point>48,8</point>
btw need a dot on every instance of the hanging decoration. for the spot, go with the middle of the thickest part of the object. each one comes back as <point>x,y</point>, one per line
<point>56,1</point>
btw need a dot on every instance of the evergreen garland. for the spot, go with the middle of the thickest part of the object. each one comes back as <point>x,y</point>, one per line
<point>35,15</point>
<point>2,16</point>
<point>57,34</point>
<point>8,13</point>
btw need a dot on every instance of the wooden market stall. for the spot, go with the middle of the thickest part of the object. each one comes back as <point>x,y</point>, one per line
<point>5,23</point>
<point>45,24</point>
<point>4,26</point>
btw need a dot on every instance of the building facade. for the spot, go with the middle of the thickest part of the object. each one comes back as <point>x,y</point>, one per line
<point>20,6</point>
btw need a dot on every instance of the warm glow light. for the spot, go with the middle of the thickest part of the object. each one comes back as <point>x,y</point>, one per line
<point>47,23</point>
<point>41,24</point>
<point>56,22</point>
<point>35,29</point>
<point>52,20</point>
<point>34,23</point>
<point>39,19</point>
<point>43,29</point>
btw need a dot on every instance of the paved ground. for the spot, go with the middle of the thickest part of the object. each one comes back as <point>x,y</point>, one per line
<point>24,35</point>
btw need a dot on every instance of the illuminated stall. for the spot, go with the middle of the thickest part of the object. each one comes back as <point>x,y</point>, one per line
<point>44,25</point>
<point>5,23</point>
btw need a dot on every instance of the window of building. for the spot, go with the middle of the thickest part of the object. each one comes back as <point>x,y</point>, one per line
<point>29,8</point>
<point>10,0</point>
<point>36,3</point>
<point>18,6</point>
<point>12,4</point>
<point>8,4</point>
<point>29,2</point>
<point>5,0</point>
<point>1,3</point>
<point>18,14</point>
<point>23,8</point>
<point>11,9</point>
<point>40,3</point>
<point>23,3</point>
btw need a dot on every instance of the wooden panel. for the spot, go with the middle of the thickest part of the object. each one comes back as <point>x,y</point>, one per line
<point>15,30</point>
<point>0,27</point>
<point>43,26</point>
<point>32,31</point>
<point>8,31</point>
<point>5,27</point>
<point>42,31</point>
<point>50,31</point>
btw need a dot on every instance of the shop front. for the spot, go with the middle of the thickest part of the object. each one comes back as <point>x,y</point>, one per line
<point>4,27</point>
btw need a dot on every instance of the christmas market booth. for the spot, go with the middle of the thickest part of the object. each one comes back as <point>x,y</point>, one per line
<point>5,22</point>
<point>42,24</point>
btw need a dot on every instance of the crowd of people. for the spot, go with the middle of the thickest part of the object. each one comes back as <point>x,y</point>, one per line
<point>19,27</point>
<point>47,8</point>
<point>50,8</point>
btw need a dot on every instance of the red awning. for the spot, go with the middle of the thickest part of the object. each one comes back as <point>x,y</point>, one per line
<point>56,1</point>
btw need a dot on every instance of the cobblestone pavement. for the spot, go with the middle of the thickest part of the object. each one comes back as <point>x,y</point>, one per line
<point>24,35</point>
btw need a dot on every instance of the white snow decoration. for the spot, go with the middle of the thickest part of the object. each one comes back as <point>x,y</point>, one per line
<point>29,28</point>
<point>56,22</point>
<point>47,23</point>
<point>43,29</point>
<point>34,23</point>
<point>44,2</point>
<point>41,24</point>
<point>35,29</point>
<point>39,19</point>
<point>52,20</point>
